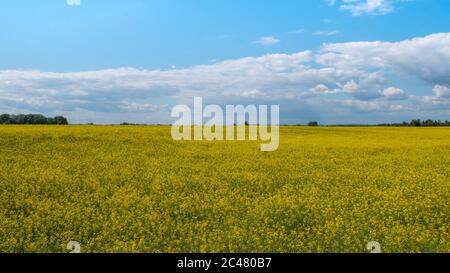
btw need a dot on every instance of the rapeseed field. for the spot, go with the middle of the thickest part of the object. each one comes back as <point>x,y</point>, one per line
<point>134,189</point>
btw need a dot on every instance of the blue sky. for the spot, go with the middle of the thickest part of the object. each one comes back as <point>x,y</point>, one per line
<point>113,61</point>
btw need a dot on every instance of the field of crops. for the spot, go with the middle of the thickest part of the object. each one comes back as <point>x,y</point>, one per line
<point>134,189</point>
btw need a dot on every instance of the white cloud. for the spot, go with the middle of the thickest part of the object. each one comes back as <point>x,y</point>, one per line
<point>366,106</point>
<point>396,107</point>
<point>142,107</point>
<point>394,93</point>
<point>342,82</point>
<point>327,32</point>
<point>442,91</point>
<point>426,57</point>
<point>320,89</point>
<point>372,7</point>
<point>366,7</point>
<point>73,2</point>
<point>267,41</point>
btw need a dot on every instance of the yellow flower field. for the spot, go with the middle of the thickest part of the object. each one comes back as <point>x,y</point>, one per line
<point>134,189</point>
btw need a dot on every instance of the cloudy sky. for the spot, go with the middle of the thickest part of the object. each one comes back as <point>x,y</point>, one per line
<point>334,61</point>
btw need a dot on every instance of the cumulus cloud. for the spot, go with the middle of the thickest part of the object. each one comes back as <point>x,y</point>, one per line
<point>425,57</point>
<point>394,93</point>
<point>342,82</point>
<point>442,91</point>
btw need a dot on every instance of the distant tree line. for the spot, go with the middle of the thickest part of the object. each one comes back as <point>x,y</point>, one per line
<point>32,119</point>
<point>412,123</point>
<point>128,124</point>
<point>420,123</point>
